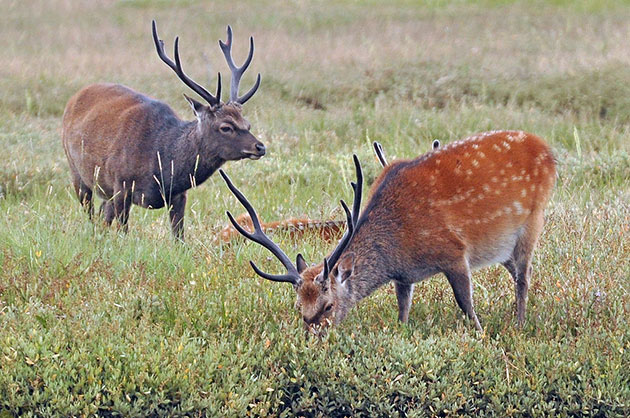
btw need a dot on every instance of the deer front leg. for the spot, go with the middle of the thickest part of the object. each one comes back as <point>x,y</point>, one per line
<point>107,210</point>
<point>459,278</point>
<point>176,213</point>
<point>404,295</point>
<point>121,204</point>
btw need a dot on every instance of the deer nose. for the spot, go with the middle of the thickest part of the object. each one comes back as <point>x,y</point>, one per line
<point>260,147</point>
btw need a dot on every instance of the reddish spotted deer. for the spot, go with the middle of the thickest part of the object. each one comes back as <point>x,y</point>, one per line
<point>469,204</point>
<point>132,149</point>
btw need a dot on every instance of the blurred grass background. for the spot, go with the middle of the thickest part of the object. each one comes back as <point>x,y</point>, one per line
<point>95,322</point>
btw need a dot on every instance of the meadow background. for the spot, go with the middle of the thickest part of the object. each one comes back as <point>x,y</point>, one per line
<point>96,322</point>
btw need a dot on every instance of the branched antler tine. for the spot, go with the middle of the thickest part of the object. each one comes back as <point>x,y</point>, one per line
<point>218,95</point>
<point>226,47</point>
<point>159,45</point>
<point>260,237</point>
<point>241,100</point>
<point>345,240</point>
<point>237,72</point>
<point>378,148</point>
<point>273,277</point>
<point>239,228</point>
<point>254,237</point>
<point>326,270</point>
<point>250,54</point>
<point>177,68</point>
<point>358,190</point>
<point>241,198</point>
<point>190,82</point>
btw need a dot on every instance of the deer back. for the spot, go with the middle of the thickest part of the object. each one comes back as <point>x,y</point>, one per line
<point>467,195</point>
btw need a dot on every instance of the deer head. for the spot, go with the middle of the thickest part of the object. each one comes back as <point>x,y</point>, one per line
<point>221,124</point>
<point>321,294</point>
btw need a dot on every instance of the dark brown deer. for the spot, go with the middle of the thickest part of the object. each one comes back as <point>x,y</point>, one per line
<point>132,149</point>
<point>460,207</point>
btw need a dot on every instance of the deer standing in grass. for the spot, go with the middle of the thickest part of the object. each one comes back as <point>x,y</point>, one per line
<point>453,210</point>
<point>132,149</point>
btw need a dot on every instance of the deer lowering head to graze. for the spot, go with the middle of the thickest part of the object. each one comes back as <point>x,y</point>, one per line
<point>132,149</point>
<point>455,209</point>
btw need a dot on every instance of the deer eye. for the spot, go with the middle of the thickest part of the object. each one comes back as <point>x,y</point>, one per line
<point>328,308</point>
<point>226,129</point>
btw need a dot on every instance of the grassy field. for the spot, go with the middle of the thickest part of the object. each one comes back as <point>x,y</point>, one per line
<point>96,322</point>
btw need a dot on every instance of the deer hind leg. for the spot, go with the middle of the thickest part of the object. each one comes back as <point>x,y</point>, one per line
<point>84,194</point>
<point>459,278</point>
<point>176,214</point>
<point>404,296</point>
<point>521,263</point>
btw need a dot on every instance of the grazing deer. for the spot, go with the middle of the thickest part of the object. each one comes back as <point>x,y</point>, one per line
<point>296,227</point>
<point>455,209</point>
<point>132,149</point>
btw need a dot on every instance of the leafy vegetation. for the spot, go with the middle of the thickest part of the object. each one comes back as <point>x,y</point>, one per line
<point>97,322</point>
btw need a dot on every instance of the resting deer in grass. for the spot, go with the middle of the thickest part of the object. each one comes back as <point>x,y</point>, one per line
<point>295,227</point>
<point>132,149</point>
<point>453,210</point>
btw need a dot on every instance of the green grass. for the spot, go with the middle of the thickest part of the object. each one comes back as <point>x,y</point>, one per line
<point>96,322</point>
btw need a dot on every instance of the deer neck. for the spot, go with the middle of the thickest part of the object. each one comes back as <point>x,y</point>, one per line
<point>372,269</point>
<point>193,159</point>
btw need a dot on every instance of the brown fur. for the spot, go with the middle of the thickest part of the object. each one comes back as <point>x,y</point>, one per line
<point>460,207</point>
<point>132,149</point>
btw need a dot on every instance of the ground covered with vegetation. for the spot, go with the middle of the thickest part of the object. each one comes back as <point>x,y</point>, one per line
<point>97,322</point>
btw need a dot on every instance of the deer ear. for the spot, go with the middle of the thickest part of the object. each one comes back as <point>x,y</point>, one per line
<point>197,107</point>
<point>436,143</point>
<point>300,263</point>
<point>345,268</point>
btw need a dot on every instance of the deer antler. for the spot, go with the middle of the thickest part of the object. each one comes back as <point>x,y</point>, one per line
<point>378,149</point>
<point>177,67</point>
<point>237,72</point>
<point>352,218</point>
<point>358,190</point>
<point>259,237</point>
